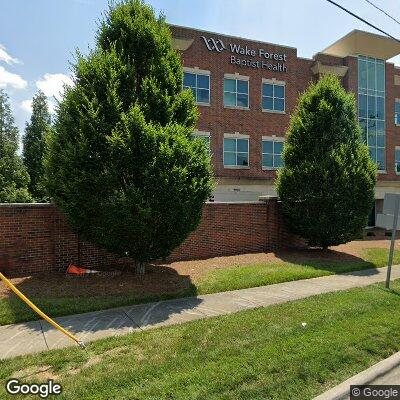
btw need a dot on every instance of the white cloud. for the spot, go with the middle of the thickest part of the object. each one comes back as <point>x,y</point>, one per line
<point>26,105</point>
<point>9,79</point>
<point>52,84</point>
<point>4,56</point>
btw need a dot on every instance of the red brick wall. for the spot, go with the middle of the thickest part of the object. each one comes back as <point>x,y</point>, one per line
<point>225,229</point>
<point>218,120</point>
<point>36,238</point>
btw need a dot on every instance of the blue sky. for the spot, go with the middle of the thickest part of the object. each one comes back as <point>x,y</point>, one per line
<point>38,37</point>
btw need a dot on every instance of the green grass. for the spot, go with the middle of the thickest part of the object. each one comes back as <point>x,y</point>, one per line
<point>12,310</point>
<point>240,277</point>
<point>258,354</point>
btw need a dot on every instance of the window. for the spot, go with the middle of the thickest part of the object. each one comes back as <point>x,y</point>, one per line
<point>236,92</point>
<point>371,106</point>
<point>273,96</point>
<point>204,136</point>
<point>236,152</point>
<point>397,160</point>
<point>272,153</point>
<point>199,83</point>
<point>397,112</point>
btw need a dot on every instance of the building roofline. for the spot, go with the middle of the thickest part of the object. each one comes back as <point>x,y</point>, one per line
<point>232,36</point>
<point>366,43</point>
<point>339,40</point>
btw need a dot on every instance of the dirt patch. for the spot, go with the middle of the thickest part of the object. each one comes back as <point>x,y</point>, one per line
<point>98,358</point>
<point>172,277</point>
<point>42,373</point>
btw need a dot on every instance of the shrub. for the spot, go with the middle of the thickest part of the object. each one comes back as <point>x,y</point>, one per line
<point>122,163</point>
<point>328,179</point>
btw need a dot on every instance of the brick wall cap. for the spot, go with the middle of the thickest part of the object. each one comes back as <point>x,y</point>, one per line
<point>267,197</point>
<point>27,205</point>
<point>233,202</point>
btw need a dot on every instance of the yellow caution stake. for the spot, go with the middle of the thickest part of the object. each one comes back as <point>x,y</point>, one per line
<point>41,313</point>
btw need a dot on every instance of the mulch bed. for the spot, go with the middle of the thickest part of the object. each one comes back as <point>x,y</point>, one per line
<point>173,277</point>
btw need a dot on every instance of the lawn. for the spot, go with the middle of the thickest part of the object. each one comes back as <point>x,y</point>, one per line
<point>245,276</point>
<point>59,296</point>
<point>259,354</point>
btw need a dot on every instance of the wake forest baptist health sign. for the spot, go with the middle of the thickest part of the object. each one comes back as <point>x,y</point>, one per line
<point>243,55</point>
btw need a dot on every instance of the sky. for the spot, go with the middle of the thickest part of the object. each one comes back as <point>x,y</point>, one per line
<point>38,38</point>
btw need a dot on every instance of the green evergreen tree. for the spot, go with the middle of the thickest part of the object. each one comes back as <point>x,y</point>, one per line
<point>34,145</point>
<point>122,163</point>
<point>14,178</point>
<point>328,179</point>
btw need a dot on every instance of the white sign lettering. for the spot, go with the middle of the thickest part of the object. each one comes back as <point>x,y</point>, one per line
<point>268,60</point>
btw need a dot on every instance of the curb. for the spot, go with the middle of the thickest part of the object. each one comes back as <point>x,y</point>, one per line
<point>342,391</point>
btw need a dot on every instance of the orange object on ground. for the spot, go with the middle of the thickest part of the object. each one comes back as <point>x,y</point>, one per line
<point>75,270</point>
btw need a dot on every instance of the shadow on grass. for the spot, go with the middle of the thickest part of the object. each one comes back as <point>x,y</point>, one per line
<point>329,260</point>
<point>57,294</point>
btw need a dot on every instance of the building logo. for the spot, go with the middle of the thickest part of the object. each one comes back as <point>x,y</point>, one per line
<point>245,56</point>
<point>214,44</point>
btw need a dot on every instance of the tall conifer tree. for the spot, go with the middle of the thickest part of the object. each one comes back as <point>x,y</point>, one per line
<point>14,178</point>
<point>328,180</point>
<point>122,162</point>
<point>34,145</point>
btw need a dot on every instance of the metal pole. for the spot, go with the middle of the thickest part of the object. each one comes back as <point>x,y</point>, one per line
<point>392,242</point>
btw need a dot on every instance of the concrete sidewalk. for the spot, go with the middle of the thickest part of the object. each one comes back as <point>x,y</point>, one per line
<point>385,372</point>
<point>36,336</point>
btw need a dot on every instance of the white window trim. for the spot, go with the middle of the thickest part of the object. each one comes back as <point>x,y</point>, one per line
<point>201,133</point>
<point>204,134</point>
<point>198,71</point>
<point>236,135</point>
<point>396,148</point>
<point>273,138</point>
<point>273,81</point>
<point>237,108</point>
<point>237,76</point>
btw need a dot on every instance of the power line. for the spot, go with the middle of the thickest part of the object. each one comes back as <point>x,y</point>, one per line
<point>363,20</point>
<point>383,11</point>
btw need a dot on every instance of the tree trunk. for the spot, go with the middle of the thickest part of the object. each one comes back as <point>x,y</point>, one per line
<point>140,268</point>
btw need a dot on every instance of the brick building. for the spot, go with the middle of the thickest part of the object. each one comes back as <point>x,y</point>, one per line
<point>246,91</point>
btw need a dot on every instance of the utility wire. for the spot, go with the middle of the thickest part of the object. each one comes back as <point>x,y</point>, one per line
<point>363,20</point>
<point>383,11</point>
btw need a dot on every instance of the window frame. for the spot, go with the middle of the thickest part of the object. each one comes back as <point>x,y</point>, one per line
<point>274,139</point>
<point>371,71</point>
<point>274,82</point>
<point>236,136</point>
<point>204,135</point>
<point>396,113</point>
<point>236,77</point>
<point>197,71</point>
<point>397,148</point>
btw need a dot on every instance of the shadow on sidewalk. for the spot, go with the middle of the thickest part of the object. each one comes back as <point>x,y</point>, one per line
<point>58,295</point>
